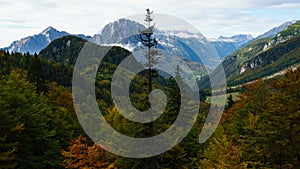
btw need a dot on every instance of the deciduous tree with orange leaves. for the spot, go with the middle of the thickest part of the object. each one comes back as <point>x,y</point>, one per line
<point>84,156</point>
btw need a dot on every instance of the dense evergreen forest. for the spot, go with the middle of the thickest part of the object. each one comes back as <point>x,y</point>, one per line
<point>39,126</point>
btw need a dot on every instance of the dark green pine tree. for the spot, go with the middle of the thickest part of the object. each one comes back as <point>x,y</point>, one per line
<point>229,102</point>
<point>174,96</point>
<point>36,73</point>
<point>10,128</point>
<point>146,38</point>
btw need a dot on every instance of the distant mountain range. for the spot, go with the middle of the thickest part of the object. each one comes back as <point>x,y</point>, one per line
<point>121,29</point>
<point>244,58</point>
<point>227,45</point>
<point>238,51</point>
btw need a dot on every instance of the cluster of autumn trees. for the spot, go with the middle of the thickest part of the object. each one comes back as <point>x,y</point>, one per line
<point>39,127</point>
<point>34,127</point>
<point>262,129</point>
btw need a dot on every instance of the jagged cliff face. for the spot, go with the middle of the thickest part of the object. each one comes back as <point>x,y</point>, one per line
<point>253,64</point>
<point>279,39</point>
<point>117,31</point>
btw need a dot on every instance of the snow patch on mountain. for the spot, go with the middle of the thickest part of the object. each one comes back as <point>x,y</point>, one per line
<point>183,34</point>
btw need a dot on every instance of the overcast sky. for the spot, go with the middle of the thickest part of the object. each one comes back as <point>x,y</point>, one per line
<point>21,18</point>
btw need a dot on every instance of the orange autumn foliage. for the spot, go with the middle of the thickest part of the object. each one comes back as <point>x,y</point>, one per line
<point>83,156</point>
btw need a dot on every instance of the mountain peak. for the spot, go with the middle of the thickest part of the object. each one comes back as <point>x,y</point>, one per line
<point>117,31</point>
<point>48,29</point>
<point>35,43</point>
<point>120,23</point>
